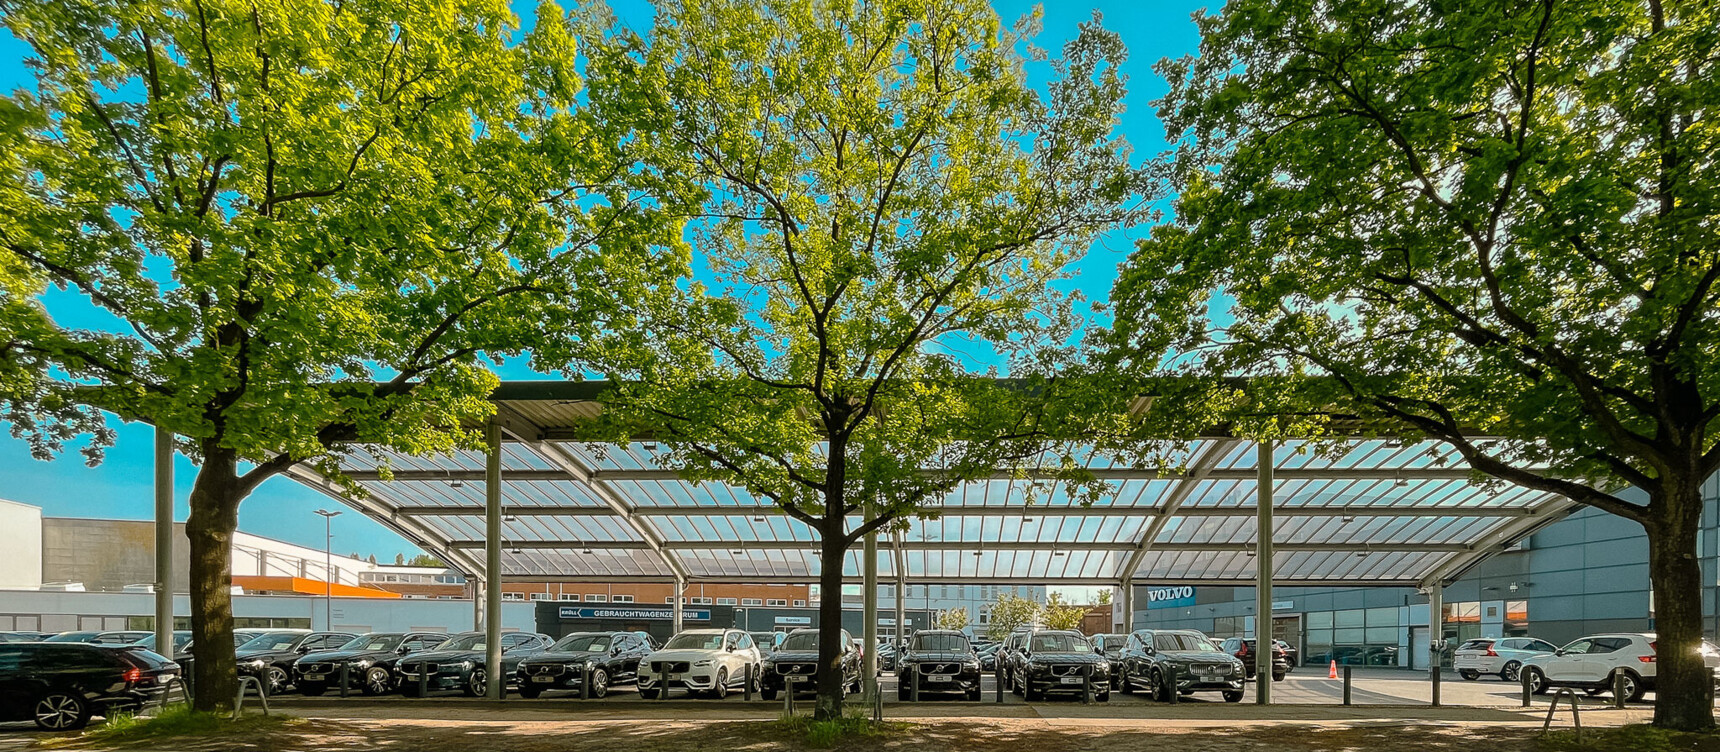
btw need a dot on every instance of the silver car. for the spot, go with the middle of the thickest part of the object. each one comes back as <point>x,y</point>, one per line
<point>1503,657</point>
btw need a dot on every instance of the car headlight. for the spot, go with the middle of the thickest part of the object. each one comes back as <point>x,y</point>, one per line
<point>703,663</point>
<point>1103,665</point>
<point>256,663</point>
<point>363,664</point>
<point>467,664</point>
<point>973,663</point>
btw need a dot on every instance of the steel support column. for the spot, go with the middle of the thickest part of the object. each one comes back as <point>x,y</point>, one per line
<point>677,615</point>
<point>1435,623</point>
<point>1263,576</point>
<point>869,617</point>
<point>164,543</point>
<point>1126,602</point>
<point>493,562</point>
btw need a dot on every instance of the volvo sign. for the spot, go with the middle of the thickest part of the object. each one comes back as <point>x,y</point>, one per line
<point>1170,597</point>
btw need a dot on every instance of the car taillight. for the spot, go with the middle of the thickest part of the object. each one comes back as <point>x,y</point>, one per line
<point>133,674</point>
<point>1243,650</point>
<point>1491,654</point>
<point>1645,658</point>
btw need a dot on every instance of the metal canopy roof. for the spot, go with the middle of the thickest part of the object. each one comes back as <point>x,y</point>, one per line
<point>1379,514</point>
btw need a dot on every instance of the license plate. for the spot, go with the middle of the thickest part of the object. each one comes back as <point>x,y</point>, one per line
<point>673,677</point>
<point>1209,677</point>
<point>1073,680</point>
<point>935,679</point>
<point>314,677</point>
<point>544,679</point>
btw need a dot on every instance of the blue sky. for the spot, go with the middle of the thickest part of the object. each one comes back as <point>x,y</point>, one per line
<point>121,486</point>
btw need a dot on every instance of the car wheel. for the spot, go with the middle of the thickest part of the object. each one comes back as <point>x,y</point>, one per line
<point>312,690</point>
<point>1537,681</point>
<point>1233,696</point>
<point>477,683</point>
<point>1278,676</point>
<point>1469,674</point>
<point>1123,682</point>
<point>530,692</point>
<point>1511,671</point>
<point>1633,687</point>
<point>720,687</point>
<point>376,681</point>
<point>768,694</point>
<point>599,683</point>
<point>60,711</point>
<point>1156,687</point>
<point>276,680</point>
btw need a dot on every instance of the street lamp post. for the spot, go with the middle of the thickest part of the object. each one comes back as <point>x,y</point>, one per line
<point>328,566</point>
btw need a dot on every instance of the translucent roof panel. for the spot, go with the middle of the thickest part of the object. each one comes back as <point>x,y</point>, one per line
<point>1363,512</point>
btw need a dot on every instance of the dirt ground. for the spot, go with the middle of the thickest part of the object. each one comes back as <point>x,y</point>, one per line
<point>923,735</point>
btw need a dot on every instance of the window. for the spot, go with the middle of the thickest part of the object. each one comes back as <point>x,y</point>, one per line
<point>705,601</point>
<point>540,596</point>
<point>621,599</point>
<point>670,600</point>
<point>725,601</point>
<point>512,596</point>
<point>596,598</point>
<point>776,602</point>
<point>568,597</point>
<point>751,602</point>
<point>798,603</point>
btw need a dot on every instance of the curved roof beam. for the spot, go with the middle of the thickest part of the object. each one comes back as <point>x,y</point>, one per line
<point>1203,467</point>
<point>386,514</point>
<point>1552,509</point>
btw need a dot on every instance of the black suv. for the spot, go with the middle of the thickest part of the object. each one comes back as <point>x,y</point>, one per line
<point>1111,646</point>
<point>1243,649</point>
<point>613,657</point>
<point>369,660</point>
<point>797,657</point>
<point>459,663</point>
<point>1051,661</point>
<point>938,660</point>
<point>270,656</point>
<point>60,685</point>
<point>1152,655</point>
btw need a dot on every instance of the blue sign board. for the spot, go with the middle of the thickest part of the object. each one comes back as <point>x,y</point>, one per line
<point>1170,597</point>
<point>622,612</point>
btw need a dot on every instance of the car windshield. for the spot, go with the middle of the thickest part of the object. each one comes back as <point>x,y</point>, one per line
<point>1058,643</point>
<point>275,641</point>
<point>800,641</point>
<point>579,642</point>
<point>377,642</point>
<point>464,642</point>
<point>694,641</point>
<point>946,642</point>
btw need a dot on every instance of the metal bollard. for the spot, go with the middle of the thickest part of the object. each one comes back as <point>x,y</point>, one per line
<point>913,685</point>
<point>746,693</point>
<point>1347,679</point>
<point>788,695</point>
<point>345,671</point>
<point>664,681</point>
<point>1528,693</point>
<point>998,669</point>
<point>1436,685</point>
<point>1618,690</point>
<point>1172,696</point>
<point>423,679</point>
<point>585,681</point>
<point>1087,689</point>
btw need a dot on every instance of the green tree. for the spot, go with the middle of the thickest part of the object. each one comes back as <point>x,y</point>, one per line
<point>953,618</point>
<point>1104,597</point>
<point>1009,613</point>
<point>883,189</point>
<point>426,560</point>
<point>305,220</point>
<point>1456,219</point>
<point>1061,614</point>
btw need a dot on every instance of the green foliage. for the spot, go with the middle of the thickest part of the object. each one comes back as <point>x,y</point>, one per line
<point>1060,614</point>
<point>953,618</point>
<point>1010,612</point>
<point>179,721</point>
<point>850,727</point>
<point>878,188</point>
<point>1632,738</point>
<point>426,560</point>
<point>1444,220</point>
<point>1104,597</point>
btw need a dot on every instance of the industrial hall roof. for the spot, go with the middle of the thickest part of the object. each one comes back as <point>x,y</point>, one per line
<point>1379,513</point>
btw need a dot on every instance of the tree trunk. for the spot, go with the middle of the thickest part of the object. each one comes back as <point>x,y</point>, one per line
<point>832,552</point>
<point>214,517</point>
<point>1684,687</point>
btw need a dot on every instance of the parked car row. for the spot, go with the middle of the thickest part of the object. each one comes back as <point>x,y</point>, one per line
<point>60,685</point>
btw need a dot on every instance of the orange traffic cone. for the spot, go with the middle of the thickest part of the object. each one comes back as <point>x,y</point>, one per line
<point>1333,674</point>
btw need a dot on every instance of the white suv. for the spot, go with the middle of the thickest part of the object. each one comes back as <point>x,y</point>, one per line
<point>702,660</point>
<point>1590,663</point>
<point>1500,656</point>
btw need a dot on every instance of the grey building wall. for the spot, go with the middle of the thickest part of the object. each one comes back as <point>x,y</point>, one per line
<point>107,555</point>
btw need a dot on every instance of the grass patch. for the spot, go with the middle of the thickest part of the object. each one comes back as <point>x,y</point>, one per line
<point>851,727</point>
<point>172,722</point>
<point>1633,738</point>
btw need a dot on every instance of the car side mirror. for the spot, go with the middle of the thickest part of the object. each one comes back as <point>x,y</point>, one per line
<point>1560,651</point>
<point>402,650</point>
